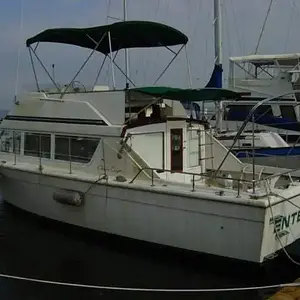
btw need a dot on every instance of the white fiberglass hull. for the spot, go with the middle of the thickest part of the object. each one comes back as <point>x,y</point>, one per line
<point>288,162</point>
<point>152,214</point>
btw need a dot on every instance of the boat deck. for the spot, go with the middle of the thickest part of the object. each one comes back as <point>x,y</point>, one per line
<point>288,293</point>
<point>200,189</point>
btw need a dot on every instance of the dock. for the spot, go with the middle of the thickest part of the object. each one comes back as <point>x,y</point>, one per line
<point>287,293</point>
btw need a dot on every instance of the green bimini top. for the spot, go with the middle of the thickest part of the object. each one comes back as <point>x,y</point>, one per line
<point>192,95</point>
<point>128,34</point>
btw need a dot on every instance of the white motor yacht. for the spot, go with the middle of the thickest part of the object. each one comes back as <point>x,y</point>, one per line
<point>129,163</point>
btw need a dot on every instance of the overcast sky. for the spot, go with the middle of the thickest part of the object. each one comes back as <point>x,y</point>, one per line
<point>242,23</point>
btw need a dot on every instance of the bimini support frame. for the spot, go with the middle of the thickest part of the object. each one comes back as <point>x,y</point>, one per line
<point>62,92</point>
<point>111,61</point>
<point>100,70</point>
<point>120,69</point>
<point>169,64</point>
<point>31,50</point>
<point>84,64</point>
<point>33,69</point>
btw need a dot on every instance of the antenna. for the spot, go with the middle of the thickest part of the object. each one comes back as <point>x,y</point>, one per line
<point>53,71</point>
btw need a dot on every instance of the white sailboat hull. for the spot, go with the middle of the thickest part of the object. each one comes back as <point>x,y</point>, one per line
<point>151,214</point>
<point>288,162</point>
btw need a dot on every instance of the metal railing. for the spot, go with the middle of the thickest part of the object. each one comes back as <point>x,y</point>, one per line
<point>287,173</point>
<point>208,175</point>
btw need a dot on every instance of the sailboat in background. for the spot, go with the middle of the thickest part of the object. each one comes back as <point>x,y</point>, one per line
<point>274,140</point>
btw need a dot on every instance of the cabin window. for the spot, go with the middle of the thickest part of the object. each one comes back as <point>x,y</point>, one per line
<point>237,112</point>
<point>10,141</point>
<point>240,112</point>
<point>288,112</point>
<point>36,144</point>
<point>81,149</point>
<point>265,110</point>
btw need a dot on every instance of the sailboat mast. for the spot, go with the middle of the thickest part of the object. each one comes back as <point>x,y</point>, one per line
<point>218,32</point>
<point>218,35</point>
<point>126,50</point>
<point>218,78</point>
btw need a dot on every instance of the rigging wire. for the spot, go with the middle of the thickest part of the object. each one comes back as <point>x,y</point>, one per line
<point>228,37</point>
<point>205,72</point>
<point>227,28</point>
<point>149,62</point>
<point>263,27</point>
<point>108,11</point>
<point>198,20</point>
<point>106,77</point>
<point>294,11</point>
<point>194,36</point>
<point>236,27</point>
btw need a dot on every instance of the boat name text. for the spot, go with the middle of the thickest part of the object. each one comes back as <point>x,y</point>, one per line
<point>284,222</point>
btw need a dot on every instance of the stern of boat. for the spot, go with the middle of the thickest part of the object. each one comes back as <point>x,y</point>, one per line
<point>282,222</point>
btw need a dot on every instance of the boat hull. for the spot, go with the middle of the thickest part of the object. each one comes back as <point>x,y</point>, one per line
<point>282,157</point>
<point>289,162</point>
<point>144,213</point>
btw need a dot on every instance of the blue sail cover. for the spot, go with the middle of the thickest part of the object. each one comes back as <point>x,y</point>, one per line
<point>268,152</point>
<point>264,119</point>
<point>216,78</point>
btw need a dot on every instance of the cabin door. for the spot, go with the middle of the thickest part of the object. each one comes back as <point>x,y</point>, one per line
<point>176,150</point>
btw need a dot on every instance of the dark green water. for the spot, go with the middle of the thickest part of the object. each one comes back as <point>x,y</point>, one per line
<point>35,248</point>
